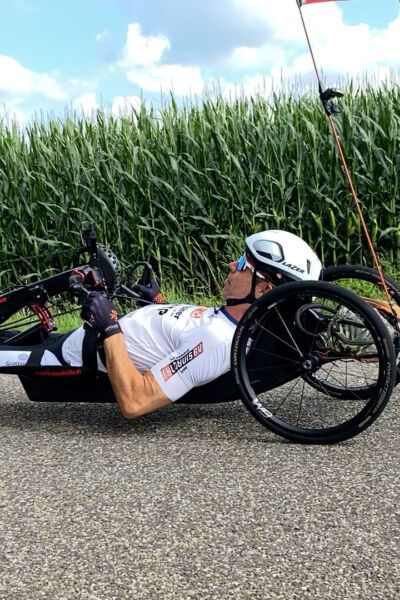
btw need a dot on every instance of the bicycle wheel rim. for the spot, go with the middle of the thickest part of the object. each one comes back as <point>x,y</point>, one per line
<point>361,411</point>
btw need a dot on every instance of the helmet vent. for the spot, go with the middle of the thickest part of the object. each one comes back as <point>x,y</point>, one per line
<point>308,266</point>
<point>270,250</point>
<point>267,255</point>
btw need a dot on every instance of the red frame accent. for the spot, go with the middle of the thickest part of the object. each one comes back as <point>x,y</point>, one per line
<point>45,316</point>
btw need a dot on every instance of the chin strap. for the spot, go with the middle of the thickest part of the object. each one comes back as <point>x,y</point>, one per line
<point>249,299</point>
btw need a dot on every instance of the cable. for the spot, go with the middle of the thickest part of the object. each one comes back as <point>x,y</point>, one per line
<point>329,112</point>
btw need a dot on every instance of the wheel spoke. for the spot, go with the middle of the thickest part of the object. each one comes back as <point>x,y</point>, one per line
<point>313,394</point>
<point>287,395</point>
<point>280,381</point>
<point>348,390</point>
<point>295,362</point>
<point>288,331</point>
<point>277,337</point>
<point>254,370</point>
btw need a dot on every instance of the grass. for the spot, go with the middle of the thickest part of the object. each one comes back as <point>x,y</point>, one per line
<point>182,186</point>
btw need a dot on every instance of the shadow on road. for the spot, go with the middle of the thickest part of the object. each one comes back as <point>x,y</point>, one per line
<point>94,419</point>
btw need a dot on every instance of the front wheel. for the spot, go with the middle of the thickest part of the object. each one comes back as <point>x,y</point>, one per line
<point>306,328</point>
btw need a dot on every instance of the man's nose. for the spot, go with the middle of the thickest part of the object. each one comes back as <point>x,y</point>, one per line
<point>233,266</point>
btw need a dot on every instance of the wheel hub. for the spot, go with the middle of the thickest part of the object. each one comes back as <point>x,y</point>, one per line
<point>311,364</point>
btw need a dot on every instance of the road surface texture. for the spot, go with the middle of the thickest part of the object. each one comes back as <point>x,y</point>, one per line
<point>191,503</point>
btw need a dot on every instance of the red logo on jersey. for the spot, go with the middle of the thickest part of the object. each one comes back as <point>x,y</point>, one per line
<point>181,361</point>
<point>197,312</point>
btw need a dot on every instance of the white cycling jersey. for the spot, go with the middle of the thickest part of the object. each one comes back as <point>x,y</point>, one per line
<point>183,345</point>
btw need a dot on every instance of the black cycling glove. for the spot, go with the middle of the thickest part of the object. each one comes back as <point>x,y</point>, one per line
<point>150,291</point>
<point>101,314</point>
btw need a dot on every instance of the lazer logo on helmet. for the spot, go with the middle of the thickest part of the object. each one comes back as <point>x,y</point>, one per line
<point>293,267</point>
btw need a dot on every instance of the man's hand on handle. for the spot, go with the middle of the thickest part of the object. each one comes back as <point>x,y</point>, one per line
<point>101,314</point>
<point>149,290</point>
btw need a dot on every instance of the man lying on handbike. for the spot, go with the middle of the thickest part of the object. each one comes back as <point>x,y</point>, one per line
<point>155,355</point>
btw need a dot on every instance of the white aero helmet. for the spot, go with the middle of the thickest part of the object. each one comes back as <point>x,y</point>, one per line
<point>277,251</point>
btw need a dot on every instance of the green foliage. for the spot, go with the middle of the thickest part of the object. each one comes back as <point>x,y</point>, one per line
<point>181,187</point>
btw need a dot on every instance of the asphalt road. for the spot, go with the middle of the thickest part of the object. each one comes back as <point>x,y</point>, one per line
<point>191,503</point>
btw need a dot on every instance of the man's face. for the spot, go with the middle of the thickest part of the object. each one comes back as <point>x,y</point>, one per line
<point>238,283</point>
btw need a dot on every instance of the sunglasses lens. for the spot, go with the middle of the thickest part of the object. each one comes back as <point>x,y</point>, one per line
<point>241,263</point>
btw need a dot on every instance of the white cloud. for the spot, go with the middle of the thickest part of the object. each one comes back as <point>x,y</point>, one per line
<point>354,50</point>
<point>86,103</point>
<point>182,80</point>
<point>252,87</point>
<point>16,79</point>
<point>121,105</point>
<point>258,64</point>
<point>338,48</point>
<point>125,105</point>
<point>10,114</point>
<point>141,62</point>
<point>79,86</point>
<point>141,50</point>
<point>244,57</point>
<point>281,18</point>
<point>277,58</point>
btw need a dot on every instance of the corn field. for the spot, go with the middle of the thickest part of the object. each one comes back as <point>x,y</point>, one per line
<point>182,185</point>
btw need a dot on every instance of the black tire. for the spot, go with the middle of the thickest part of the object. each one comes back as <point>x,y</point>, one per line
<point>349,276</point>
<point>366,282</point>
<point>111,268</point>
<point>282,336</point>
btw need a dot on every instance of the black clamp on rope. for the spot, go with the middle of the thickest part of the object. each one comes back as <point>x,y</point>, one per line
<point>326,96</point>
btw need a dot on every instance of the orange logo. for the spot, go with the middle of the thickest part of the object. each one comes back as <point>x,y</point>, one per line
<point>197,312</point>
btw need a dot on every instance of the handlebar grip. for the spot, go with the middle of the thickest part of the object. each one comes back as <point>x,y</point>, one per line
<point>77,288</point>
<point>147,274</point>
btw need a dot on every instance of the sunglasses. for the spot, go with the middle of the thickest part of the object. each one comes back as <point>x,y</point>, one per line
<point>244,263</point>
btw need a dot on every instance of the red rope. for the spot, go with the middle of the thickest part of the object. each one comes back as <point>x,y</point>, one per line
<point>347,172</point>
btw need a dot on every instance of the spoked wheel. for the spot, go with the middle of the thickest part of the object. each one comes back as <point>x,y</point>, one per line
<point>298,348</point>
<point>366,282</point>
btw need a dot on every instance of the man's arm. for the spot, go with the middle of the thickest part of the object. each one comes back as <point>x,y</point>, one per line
<point>136,394</point>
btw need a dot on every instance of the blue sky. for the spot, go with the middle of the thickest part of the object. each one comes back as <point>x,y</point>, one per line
<point>110,53</point>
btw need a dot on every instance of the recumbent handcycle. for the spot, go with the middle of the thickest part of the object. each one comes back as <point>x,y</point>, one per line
<point>312,361</point>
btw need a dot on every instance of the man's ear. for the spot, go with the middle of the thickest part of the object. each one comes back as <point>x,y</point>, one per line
<point>262,288</point>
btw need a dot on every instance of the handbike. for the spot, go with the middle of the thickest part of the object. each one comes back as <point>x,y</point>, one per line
<point>294,363</point>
